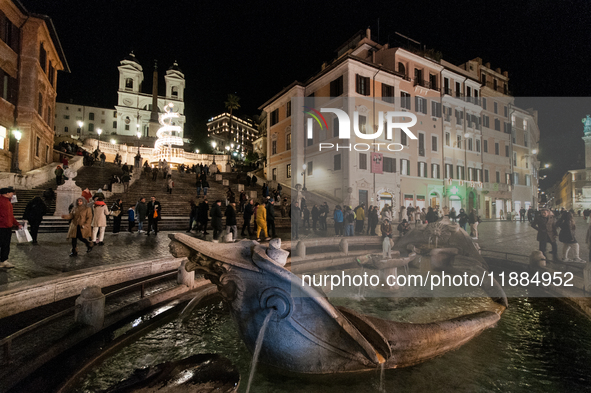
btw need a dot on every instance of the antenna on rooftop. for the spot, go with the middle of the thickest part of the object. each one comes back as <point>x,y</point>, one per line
<point>408,38</point>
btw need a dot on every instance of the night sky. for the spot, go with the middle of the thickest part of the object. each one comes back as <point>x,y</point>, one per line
<point>254,49</point>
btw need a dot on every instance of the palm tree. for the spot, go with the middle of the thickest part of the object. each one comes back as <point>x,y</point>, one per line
<point>232,104</point>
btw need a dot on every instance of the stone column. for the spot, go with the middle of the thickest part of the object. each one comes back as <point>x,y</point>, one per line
<point>184,277</point>
<point>587,277</point>
<point>91,310</point>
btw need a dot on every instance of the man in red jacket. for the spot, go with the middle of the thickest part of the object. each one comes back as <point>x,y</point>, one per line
<point>7,222</point>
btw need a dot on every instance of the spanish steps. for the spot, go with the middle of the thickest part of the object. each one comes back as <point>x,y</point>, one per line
<point>175,206</point>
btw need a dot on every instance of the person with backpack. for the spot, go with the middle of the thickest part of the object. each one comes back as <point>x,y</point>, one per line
<point>130,219</point>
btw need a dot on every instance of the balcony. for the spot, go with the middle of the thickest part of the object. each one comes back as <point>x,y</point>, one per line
<point>448,91</point>
<point>426,84</point>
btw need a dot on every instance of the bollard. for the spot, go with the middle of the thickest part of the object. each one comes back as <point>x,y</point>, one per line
<point>90,308</point>
<point>301,249</point>
<point>225,182</point>
<point>184,277</point>
<point>218,177</point>
<point>344,246</point>
<point>252,194</point>
<point>240,187</point>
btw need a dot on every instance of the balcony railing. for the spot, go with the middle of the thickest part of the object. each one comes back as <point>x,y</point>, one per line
<point>427,84</point>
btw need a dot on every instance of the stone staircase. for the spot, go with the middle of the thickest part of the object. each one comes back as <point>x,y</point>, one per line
<point>175,206</point>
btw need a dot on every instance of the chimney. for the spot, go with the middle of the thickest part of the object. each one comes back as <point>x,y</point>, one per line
<point>498,70</point>
<point>487,65</point>
<point>506,73</point>
<point>368,33</point>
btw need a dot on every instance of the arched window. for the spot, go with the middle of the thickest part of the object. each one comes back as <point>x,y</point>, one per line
<point>175,91</point>
<point>401,68</point>
<point>129,83</point>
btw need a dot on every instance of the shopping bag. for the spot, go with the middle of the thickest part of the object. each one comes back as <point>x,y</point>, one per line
<point>23,235</point>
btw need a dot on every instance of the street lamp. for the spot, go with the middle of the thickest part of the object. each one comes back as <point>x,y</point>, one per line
<point>139,135</point>
<point>113,142</point>
<point>99,132</point>
<point>547,166</point>
<point>80,124</point>
<point>213,144</point>
<point>17,135</point>
<point>197,151</point>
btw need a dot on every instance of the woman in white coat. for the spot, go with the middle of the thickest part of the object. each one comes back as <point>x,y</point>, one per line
<point>99,221</point>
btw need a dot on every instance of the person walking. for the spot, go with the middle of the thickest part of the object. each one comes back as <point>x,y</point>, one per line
<point>169,184</point>
<point>155,173</point>
<point>339,225</point>
<point>349,218</point>
<point>231,220</point>
<point>59,175</point>
<point>501,214</point>
<point>315,217</point>
<point>567,226</point>
<point>154,212</point>
<point>130,219</point>
<point>103,157</point>
<point>192,215</point>
<point>261,220</point>
<point>324,212</point>
<point>34,213</point>
<point>203,216</point>
<point>453,215</point>
<point>7,222</point>
<point>271,218</point>
<point>545,224</point>
<point>473,220</point>
<point>125,179</point>
<point>522,214</point>
<point>216,220</point>
<point>296,215</point>
<point>80,226</point>
<point>117,213</point>
<point>530,214</point>
<point>99,221</point>
<point>247,215</point>
<point>205,185</point>
<point>141,211</point>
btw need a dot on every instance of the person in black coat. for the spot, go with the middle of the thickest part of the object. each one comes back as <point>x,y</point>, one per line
<point>231,220</point>
<point>248,211</point>
<point>315,216</point>
<point>203,216</point>
<point>34,213</point>
<point>154,215</point>
<point>431,215</point>
<point>271,218</point>
<point>117,207</point>
<point>216,219</point>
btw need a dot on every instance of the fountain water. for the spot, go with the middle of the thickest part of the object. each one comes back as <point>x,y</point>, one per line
<point>257,349</point>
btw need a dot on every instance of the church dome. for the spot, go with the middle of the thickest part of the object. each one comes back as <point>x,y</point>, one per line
<point>131,57</point>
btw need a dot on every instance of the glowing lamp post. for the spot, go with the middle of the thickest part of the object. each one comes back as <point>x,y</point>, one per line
<point>17,135</point>
<point>99,132</point>
<point>213,144</point>
<point>80,124</point>
<point>304,174</point>
<point>197,151</point>
<point>139,135</point>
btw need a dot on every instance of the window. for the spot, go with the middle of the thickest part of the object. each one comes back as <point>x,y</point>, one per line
<point>498,177</point>
<point>421,144</point>
<point>496,107</point>
<point>478,145</point>
<point>497,125</point>
<point>335,127</point>
<point>387,93</point>
<point>174,91</point>
<point>288,171</point>
<point>514,159</point>
<point>459,117</point>
<point>422,169</point>
<point>507,128</point>
<point>405,167</point>
<point>470,143</point>
<point>47,153</point>
<point>505,111</point>
<point>485,146</point>
<point>433,82</point>
<point>288,109</point>
<point>389,165</point>
<point>362,161</point>
<point>401,68</point>
<point>37,143</point>
<point>337,162</point>
<point>310,141</point>
<point>486,121</point>
<point>362,85</point>
<point>129,83</point>
<point>288,141</point>
<point>516,178</point>
<point>434,142</point>
<point>484,103</point>
<point>421,105</point>
<point>527,180</point>
<point>449,171</point>
<point>486,175</point>
<point>459,141</point>
<point>115,114</point>
<point>126,127</point>
<point>3,137</point>
<point>435,109</point>
<point>115,125</point>
<point>507,178</point>
<point>460,171</point>
<point>274,117</point>
<point>310,99</point>
<point>403,138</point>
<point>446,88</point>
<point>362,124</point>
<point>435,171</point>
<point>274,147</point>
<point>274,174</point>
<point>43,58</point>
<point>447,139</point>
<point>67,117</point>
<point>310,168</point>
<point>91,116</point>
<point>506,151</point>
<point>336,87</point>
<point>525,140</point>
<point>471,174</point>
<point>497,148</point>
<point>458,89</point>
<point>40,105</point>
<point>405,100</point>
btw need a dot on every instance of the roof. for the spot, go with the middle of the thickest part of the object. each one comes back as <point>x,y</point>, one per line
<point>55,39</point>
